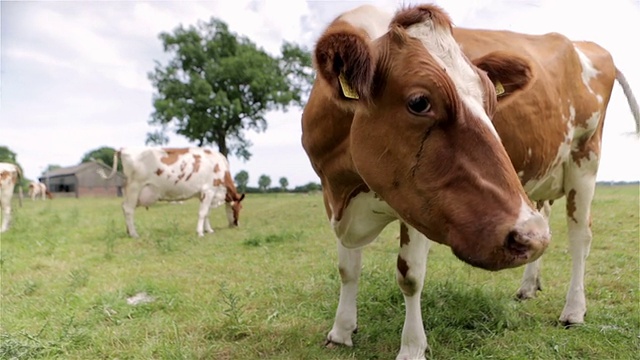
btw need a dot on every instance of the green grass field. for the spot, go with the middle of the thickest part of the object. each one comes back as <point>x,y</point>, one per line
<point>269,289</point>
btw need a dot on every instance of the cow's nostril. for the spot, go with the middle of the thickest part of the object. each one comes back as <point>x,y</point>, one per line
<point>516,244</point>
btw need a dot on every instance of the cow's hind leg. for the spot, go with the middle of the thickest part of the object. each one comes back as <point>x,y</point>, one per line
<point>580,183</point>
<point>531,279</point>
<point>411,269</point>
<point>345,323</point>
<point>129,207</point>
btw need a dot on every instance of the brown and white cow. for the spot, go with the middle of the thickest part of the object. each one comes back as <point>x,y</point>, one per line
<point>39,190</point>
<point>10,174</point>
<point>174,174</point>
<point>413,139</point>
<point>398,127</point>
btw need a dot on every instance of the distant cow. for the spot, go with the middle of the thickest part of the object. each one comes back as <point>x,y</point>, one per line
<point>409,119</point>
<point>174,174</point>
<point>10,174</point>
<point>38,189</point>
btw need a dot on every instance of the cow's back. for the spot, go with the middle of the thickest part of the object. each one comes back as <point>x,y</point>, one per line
<point>561,108</point>
<point>173,174</point>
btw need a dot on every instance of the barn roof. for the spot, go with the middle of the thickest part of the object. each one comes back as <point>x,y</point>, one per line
<point>72,170</point>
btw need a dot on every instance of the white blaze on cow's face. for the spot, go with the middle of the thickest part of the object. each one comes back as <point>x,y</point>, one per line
<point>466,78</point>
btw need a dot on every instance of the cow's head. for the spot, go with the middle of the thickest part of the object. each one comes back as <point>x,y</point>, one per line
<point>234,205</point>
<point>422,138</point>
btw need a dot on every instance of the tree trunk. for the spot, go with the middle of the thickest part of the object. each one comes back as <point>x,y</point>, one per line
<point>222,145</point>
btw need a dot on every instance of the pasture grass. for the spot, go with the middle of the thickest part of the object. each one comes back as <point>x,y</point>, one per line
<point>269,289</point>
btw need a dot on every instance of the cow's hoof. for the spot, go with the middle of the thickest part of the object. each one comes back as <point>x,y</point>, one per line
<point>336,338</point>
<point>572,320</point>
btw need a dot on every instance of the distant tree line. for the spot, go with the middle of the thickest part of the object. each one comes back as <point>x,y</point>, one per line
<point>264,185</point>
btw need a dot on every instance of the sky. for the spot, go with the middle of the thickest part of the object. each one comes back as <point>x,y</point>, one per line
<point>73,74</point>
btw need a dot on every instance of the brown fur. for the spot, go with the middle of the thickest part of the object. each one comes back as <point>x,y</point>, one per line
<point>571,205</point>
<point>530,66</point>
<point>173,155</point>
<point>416,14</point>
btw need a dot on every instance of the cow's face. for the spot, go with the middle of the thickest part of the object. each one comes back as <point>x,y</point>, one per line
<point>422,139</point>
<point>234,205</point>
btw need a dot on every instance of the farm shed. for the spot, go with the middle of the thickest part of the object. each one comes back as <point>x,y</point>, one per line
<point>83,181</point>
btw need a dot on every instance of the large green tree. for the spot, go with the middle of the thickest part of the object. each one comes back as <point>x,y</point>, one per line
<point>218,84</point>
<point>7,156</point>
<point>103,154</point>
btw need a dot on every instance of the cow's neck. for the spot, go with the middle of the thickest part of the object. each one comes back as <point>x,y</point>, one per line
<point>326,129</point>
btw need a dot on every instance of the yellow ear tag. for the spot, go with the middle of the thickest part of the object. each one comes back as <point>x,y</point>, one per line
<point>347,90</point>
<point>499,88</point>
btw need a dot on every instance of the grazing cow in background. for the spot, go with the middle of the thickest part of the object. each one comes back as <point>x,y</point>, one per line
<point>155,174</point>
<point>398,127</point>
<point>387,122</point>
<point>10,175</point>
<point>38,189</point>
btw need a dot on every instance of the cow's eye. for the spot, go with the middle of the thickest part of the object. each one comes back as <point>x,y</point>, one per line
<point>419,105</point>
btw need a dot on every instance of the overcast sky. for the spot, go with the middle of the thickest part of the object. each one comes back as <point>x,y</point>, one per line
<point>74,73</point>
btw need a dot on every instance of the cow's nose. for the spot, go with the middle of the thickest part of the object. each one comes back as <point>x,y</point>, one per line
<point>529,237</point>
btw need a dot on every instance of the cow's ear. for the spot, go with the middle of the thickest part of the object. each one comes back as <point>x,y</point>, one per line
<point>241,197</point>
<point>343,57</point>
<point>508,72</point>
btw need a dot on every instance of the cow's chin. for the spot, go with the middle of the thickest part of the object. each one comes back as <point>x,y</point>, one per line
<point>495,257</point>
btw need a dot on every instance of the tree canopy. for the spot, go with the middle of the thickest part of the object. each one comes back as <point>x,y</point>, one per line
<point>218,84</point>
<point>284,183</point>
<point>264,182</point>
<point>242,179</point>
<point>7,156</point>
<point>103,154</point>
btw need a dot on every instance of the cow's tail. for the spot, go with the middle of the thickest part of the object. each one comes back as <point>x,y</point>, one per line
<point>633,104</point>
<point>113,170</point>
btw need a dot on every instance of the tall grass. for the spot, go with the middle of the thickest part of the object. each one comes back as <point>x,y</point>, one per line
<point>269,289</point>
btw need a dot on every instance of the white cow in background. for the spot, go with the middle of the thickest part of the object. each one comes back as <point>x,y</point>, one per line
<point>38,190</point>
<point>175,174</point>
<point>10,174</point>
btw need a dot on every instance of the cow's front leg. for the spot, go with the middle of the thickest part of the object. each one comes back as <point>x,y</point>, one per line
<point>411,269</point>
<point>580,188</point>
<point>345,324</point>
<point>207,224</point>
<point>203,213</point>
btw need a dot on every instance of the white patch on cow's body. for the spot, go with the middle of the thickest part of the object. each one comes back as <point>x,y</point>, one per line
<point>362,220</point>
<point>371,19</point>
<point>446,51</point>
<point>591,125</point>
<point>588,72</point>
<point>550,186</point>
